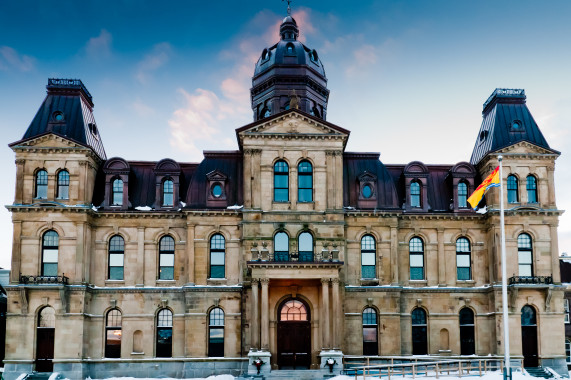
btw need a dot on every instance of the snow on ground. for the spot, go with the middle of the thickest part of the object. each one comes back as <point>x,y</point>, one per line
<point>218,377</point>
<point>473,375</point>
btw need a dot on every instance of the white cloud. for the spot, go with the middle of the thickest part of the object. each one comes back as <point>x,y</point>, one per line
<point>158,57</point>
<point>100,46</point>
<point>11,59</point>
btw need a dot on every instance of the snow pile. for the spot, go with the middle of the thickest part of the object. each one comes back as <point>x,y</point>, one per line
<point>218,377</point>
<point>235,207</point>
<point>143,208</point>
<point>473,375</point>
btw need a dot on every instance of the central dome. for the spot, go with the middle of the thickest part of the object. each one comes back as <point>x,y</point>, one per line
<point>284,67</point>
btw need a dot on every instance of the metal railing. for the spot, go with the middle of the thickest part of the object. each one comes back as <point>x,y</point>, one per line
<point>44,280</point>
<point>422,366</point>
<point>530,280</point>
<point>295,257</point>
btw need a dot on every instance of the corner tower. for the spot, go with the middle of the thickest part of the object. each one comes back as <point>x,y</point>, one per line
<point>289,69</point>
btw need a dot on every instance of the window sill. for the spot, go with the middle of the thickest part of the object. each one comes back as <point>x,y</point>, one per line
<point>165,282</point>
<point>466,282</point>
<point>114,282</point>
<point>369,281</point>
<point>137,353</point>
<point>216,281</point>
<point>418,282</point>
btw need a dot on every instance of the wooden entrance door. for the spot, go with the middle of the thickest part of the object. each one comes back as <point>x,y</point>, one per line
<point>294,335</point>
<point>45,349</point>
<point>45,340</point>
<point>529,336</point>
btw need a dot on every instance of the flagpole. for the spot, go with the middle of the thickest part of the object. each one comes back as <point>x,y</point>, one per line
<point>507,369</point>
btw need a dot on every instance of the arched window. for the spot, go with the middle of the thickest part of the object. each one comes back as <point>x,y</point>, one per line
<point>416,250</point>
<point>50,251</point>
<point>370,344</point>
<point>415,194</point>
<point>116,258</point>
<point>113,334</point>
<point>462,195</point>
<point>525,255</point>
<point>305,246</point>
<point>266,112</point>
<point>467,343</point>
<point>281,182</point>
<point>164,334</point>
<point>290,50</point>
<point>281,246</point>
<point>531,187</point>
<point>166,258</point>
<point>217,256</point>
<point>63,184</point>
<point>368,257</point>
<point>463,259</point>
<point>216,332</point>
<point>305,182</point>
<point>41,184</point>
<point>168,193</point>
<point>513,196</point>
<point>293,310</point>
<point>117,189</point>
<point>419,332</point>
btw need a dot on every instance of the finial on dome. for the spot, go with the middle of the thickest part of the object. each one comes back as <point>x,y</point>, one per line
<point>288,7</point>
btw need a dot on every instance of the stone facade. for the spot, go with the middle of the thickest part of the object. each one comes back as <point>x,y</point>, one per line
<point>332,281</point>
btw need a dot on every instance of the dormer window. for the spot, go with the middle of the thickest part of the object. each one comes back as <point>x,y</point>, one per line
<point>415,194</point>
<point>117,192</point>
<point>116,184</point>
<point>58,117</point>
<point>265,54</point>
<point>167,174</point>
<point>367,190</point>
<point>517,125</point>
<point>313,55</point>
<point>416,186</point>
<point>168,192</point>
<point>290,50</point>
<point>462,195</point>
<point>216,188</point>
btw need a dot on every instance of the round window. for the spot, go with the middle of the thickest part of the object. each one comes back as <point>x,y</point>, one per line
<point>58,116</point>
<point>367,191</point>
<point>516,124</point>
<point>217,190</point>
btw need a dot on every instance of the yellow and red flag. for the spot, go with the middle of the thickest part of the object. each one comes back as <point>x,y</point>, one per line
<point>493,180</point>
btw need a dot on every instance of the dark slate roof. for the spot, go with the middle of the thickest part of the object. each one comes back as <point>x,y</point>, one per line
<point>501,110</point>
<point>356,164</point>
<point>70,97</point>
<point>227,163</point>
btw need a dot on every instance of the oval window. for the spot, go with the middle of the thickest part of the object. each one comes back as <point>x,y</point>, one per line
<point>58,116</point>
<point>217,190</point>
<point>367,191</point>
<point>516,124</point>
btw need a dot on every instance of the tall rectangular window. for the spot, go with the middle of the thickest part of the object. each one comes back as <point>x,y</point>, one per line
<point>217,256</point>
<point>415,194</point>
<point>566,309</point>
<point>416,250</point>
<point>117,190</point>
<point>525,255</point>
<point>368,253</point>
<point>116,258</point>
<point>166,258</point>
<point>281,182</point>
<point>463,269</point>
<point>63,185</point>
<point>513,196</point>
<point>305,182</point>
<point>41,184</point>
<point>462,195</point>
<point>531,187</point>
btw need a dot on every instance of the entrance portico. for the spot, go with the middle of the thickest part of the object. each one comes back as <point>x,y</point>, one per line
<point>314,288</point>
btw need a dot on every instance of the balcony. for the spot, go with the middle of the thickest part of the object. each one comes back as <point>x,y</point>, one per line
<point>535,280</point>
<point>63,280</point>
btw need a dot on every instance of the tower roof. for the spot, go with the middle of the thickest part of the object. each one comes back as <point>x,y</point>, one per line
<point>506,121</point>
<point>67,111</point>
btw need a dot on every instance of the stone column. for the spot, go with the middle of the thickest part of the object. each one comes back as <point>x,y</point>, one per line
<point>17,252</point>
<point>555,255</point>
<point>441,258</point>
<point>265,320</point>
<point>394,256</point>
<point>190,252</point>
<point>336,312</point>
<point>254,323</point>
<point>19,196</point>
<point>325,312</point>
<point>140,276</point>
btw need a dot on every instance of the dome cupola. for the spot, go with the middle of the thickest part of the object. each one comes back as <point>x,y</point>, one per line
<point>285,70</point>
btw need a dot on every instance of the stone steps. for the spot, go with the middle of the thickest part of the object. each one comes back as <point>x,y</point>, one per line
<point>539,372</point>
<point>308,374</point>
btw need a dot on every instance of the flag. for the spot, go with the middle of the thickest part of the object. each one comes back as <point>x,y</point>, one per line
<point>493,180</point>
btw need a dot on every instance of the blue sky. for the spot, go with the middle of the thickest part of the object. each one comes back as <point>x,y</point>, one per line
<point>171,79</point>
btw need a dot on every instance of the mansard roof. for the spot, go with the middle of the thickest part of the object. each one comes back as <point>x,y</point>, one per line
<point>193,179</point>
<point>506,121</point>
<point>67,111</point>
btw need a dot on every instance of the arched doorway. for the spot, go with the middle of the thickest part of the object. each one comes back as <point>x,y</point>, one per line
<point>467,341</point>
<point>294,335</point>
<point>45,340</point>
<point>419,332</point>
<point>529,336</point>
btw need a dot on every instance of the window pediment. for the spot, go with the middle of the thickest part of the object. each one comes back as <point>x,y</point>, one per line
<point>416,169</point>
